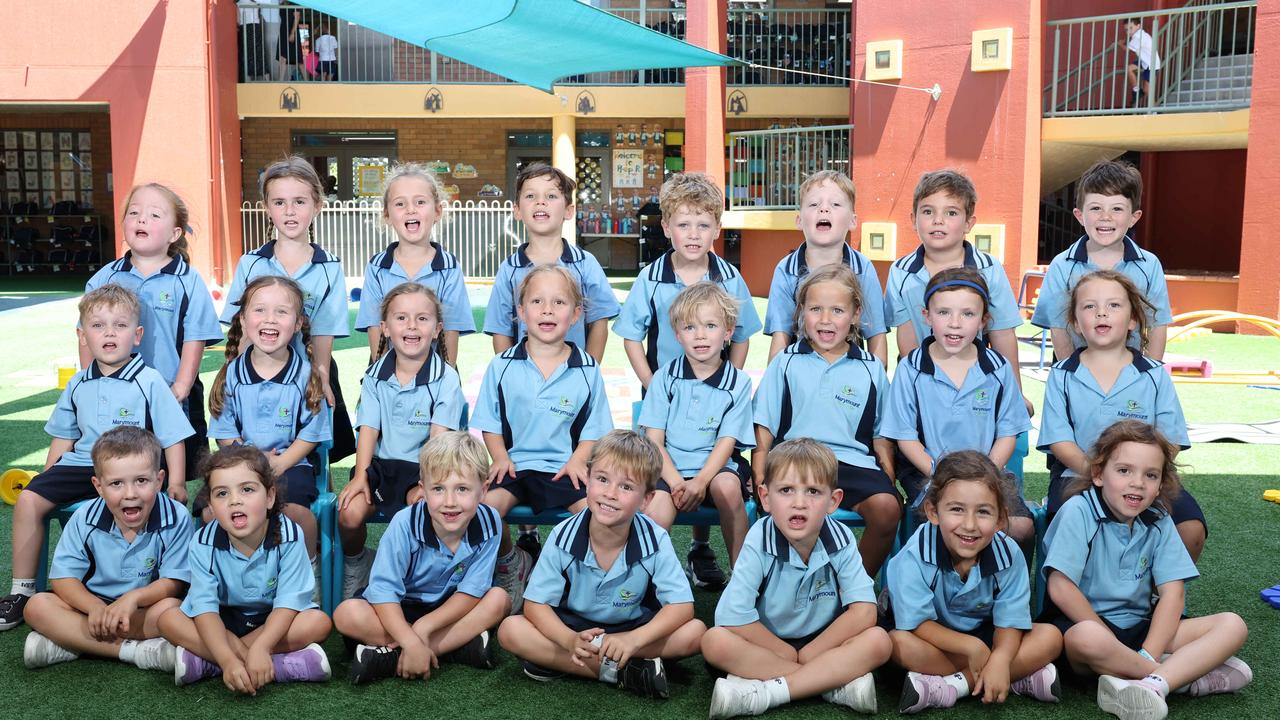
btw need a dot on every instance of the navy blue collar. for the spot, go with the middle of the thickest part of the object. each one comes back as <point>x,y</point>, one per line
<point>669,271</point>
<point>162,515</point>
<point>1141,363</point>
<point>1080,251</point>
<point>566,254</point>
<point>576,359</point>
<point>642,541</point>
<point>126,372</point>
<point>318,255</point>
<point>993,558</point>
<point>802,265</point>
<point>917,259</point>
<point>430,371</point>
<point>1102,511</point>
<point>175,266</point>
<point>833,537</point>
<point>684,371</point>
<point>288,371</point>
<point>389,257</point>
<point>804,348</point>
<point>274,536</point>
<point>926,360</point>
<point>484,525</point>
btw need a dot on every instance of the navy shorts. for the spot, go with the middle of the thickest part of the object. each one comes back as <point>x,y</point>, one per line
<point>414,610</point>
<point>799,642</point>
<point>707,501</point>
<point>62,484</point>
<point>859,483</point>
<point>1184,507</point>
<point>1131,637</point>
<point>241,623</point>
<point>298,485</point>
<point>328,67</point>
<point>578,623</point>
<point>390,482</point>
<point>537,490</point>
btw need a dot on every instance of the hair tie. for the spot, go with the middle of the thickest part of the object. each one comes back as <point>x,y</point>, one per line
<point>956,283</point>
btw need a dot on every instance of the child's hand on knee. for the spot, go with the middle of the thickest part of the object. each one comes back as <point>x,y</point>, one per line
<point>498,471</point>
<point>117,615</point>
<point>584,647</point>
<point>357,487</point>
<point>99,625</point>
<point>620,647</point>
<point>279,466</point>
<point>416,661</point>
<point>236,677</point>
<point>993,682</point>
<point>258,664</point>
<point>576,471</point>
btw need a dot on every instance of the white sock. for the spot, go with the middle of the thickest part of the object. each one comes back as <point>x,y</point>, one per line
<point>1161,684</point>
<point>23,586</point>
<point>127,650</point>
<point>779,693</point>
<point>957,681</point>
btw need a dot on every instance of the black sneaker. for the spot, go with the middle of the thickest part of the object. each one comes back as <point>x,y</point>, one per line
<point>530,543</point>
<point>373,662</point>
<point>539,673</point>
<point>646,678</point>
<point>703,570</point>
<point>478,653</point>
<point>11,610</point>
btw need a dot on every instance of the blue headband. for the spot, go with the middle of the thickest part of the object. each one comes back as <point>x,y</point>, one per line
<point>956,283</point>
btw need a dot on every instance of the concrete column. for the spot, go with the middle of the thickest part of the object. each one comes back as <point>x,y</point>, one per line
<point>565,159</point>
<point>1259,262</point>
<point>704,91</point>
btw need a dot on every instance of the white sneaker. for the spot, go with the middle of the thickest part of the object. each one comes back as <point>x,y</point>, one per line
<point>155,654</point>
<point>39,651</point>
<point>734,696</point>
<point>513,576</point>
<point>859,694</point>
<point>1228,677</point>
<point>1130,699</point>
<point>355,572</point>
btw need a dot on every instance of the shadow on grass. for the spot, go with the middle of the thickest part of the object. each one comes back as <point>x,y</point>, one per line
<point>21,438</point>
<point>30,402</point>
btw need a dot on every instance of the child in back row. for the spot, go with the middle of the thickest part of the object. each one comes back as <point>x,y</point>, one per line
<point>1108,198</point>
<point>698,413</point>
<point>248,615</point>
<point>960,597</point>
<point>408,395</point>
<point>1116,574</point>
<point>825,215</point>
<point>542,405</point>
<point>1106,381</point>
<point>431,595</point>
<point>826,388</point>
<point>798,618</point>
<point>120,564</point>
<point>272,398</point>
<point>691,205</point>
<point>178,319</point>
<point>412,203</point>
<point>607,599</point>
<point>293,194</point>
<point>952,393</point>
<point>942,211</point>
<point>115,389</point>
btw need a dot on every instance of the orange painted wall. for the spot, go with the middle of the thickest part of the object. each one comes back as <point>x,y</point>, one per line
<point>147,59</point>
<point>986,124</point>
<point>1259,261</point>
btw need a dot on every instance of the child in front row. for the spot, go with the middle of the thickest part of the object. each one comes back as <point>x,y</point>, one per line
<point>431,594</point>
<point>271,397</point>
<point>825,215</point>
<point>116,389</point>
<point>410,394</point>
<point>1108,197</point>
<point>607,599</point>
<point>542,405</point>
<point>120,564</point>
<point>1116,572</point>
<point>691,205</point>
<point>826,388</point>
<point>798,618</point>
<point>961,598</point>
<point>1106,381</point>
<point>952,393</point>
<point>248,615</point>
<point>698,413</point>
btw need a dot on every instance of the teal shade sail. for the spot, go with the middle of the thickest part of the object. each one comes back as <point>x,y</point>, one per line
<point>534,42</point>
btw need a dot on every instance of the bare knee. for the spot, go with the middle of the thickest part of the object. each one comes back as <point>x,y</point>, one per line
<point>716,644</point>
<point>1193,535</point>
<point>881,511</point>
<point>31,507</point>
<point>513,631</point>
<point>354,515</point>
<point>875,644</point>
<point>688,639</point>
<point>1021,529</point>
<point>40,607</point>
<point>352,615</point>
<point>1088,640</point>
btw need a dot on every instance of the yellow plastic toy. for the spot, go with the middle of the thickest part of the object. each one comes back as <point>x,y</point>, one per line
<point>12,482</point>
<point>1271,496</point>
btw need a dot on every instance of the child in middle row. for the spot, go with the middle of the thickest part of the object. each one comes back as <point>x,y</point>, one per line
<point>691,206</point>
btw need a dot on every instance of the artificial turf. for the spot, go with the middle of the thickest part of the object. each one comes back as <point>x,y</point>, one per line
<point>1239,560</point>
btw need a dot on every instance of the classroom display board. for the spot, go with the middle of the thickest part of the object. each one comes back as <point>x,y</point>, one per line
<point>48,166</point>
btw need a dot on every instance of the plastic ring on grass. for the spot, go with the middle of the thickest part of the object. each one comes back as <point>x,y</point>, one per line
<point>12,482</point>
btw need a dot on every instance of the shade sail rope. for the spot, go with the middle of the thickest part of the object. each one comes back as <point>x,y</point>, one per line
<point>935,92</point>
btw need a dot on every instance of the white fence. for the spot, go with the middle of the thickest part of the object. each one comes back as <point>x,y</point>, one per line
<point>481,234</point>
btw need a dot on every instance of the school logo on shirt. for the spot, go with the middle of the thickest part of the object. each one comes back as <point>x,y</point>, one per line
<point>271,584</point>
<point>125,416</point>
<point>626,598</point>
<point>820,591</point>
<point>708,425</point>
<point>981,400</point>
<point>308,303</point>
<point>284,417</point>
<point>462,568</point>
<point>1133,409</point>
<point>148,566</point>
<point>419,418</point>
<point>1144,564</point>
<point>164,301</point>
<point>564,407</point>
<point>848,396</point>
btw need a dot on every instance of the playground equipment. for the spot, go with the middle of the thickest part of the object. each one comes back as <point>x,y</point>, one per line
<point>12,482</point>
<point>1200,371</point>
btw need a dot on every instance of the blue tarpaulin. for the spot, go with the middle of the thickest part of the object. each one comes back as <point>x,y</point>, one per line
<point>534,42</point>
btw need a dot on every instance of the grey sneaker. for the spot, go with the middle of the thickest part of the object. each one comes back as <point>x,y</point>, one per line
<point>921,692</point>
<point>1042,685</point>
<point>39,651</point>
<point>513,576</point>
<point>155,654</point>
<point>355,572</point>
<point>1228,677</point>
<point>703,570</point>
<point>858,694</point>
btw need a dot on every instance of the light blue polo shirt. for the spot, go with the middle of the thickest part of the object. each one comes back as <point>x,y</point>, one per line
<point>269,413</point>
<point>412,563</point>
<point>1116,566</point>
<point>93,550</point>
<point>780,314</point>
<point>793,599</point>
<point>277,574</point>
<point>925,405</point>
<point>924,585</point>
<point>1142,267</point>
<point>568,575</point>
<point>645,314</point>
<point>695,413</point>
<point>324,288</point>
<point>403,415</point>
<point>839,404</point>
<point>1077,410</point>
<point>599,302</point>
<point>443,275</point>
<point>176,309</point>
<point>904,291</point>
<point>541,421</point>
<point>94,403</point>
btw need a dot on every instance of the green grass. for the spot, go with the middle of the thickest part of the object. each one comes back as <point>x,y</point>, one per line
<point>1240,559</point>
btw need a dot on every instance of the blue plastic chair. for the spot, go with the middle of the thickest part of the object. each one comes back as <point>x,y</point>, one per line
<point>1040,518</point>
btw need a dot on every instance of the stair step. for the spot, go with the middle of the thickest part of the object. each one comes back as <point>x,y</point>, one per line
<point>1211,73</point>
<point>1195,83</point>
<point>1205,97</point>
<point>1228,61</point>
